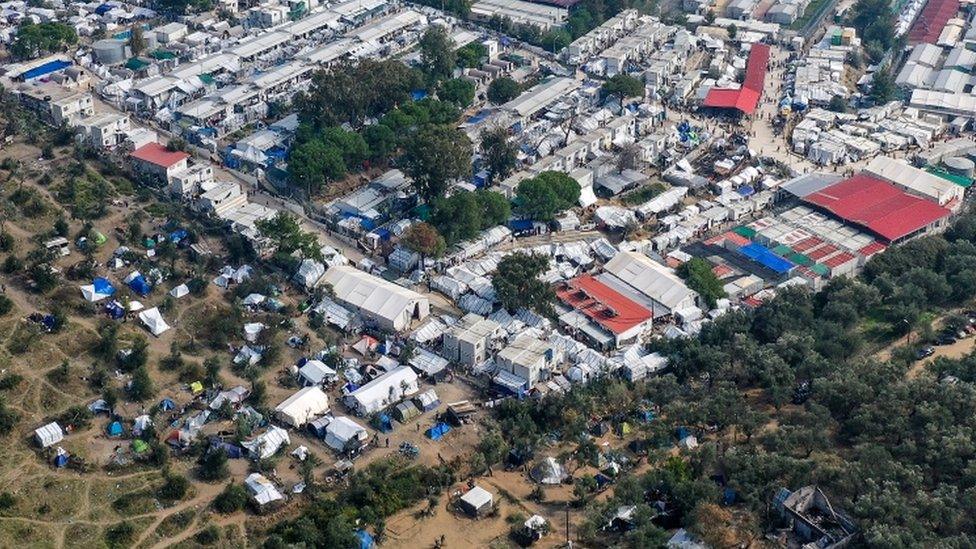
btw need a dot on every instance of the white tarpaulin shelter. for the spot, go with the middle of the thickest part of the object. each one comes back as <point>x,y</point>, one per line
<point>548,471</point>
<point>262,489</point>
<point>265,445</point>
<point>49,434</point>
<point>303,406</point>
<point>387,305</point>
<point>315,372</point>
<point>476,501</point>
<point>343,434</point>
<point>154,321</point>
<point>252,330</point>
<point>180,291</point>
<point>383,391</point>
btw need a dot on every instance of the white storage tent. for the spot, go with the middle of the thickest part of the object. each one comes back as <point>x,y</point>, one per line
<point>383,391</point>
<point>387,305</point>
<point>303,406</point>
<point>261,489</point>
<point>265,445</point>
<point>49,434</point>
<point>154,322</point>
<point>343,434</point>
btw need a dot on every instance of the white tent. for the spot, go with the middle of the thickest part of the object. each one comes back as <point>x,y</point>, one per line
<point>49,434</point>
<point>315,372</point>
<point>383,391</point>
<point>179,291</point>
<point>476,501</point>
<point>136,306</point>
<point>303,406</point>
<point>92,295</point>
<point>265,445</point>
<point>252,330</point>
<point>154,321</point>
<point>262,489</point>
<point>253,300</point>
<point>342,431</point>
<point>140,424</point>
<point>548,471</point>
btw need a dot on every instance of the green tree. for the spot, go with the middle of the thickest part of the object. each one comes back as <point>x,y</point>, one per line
<point>213,465</point>
<point>137,42</point>
<point>457,91</point>
<point>837,104</point>
<point>232,499</point>
<point>33,40</point>
<point>141,387</point>
<point>517,283</point>
<point>381,141</point>
<point>288,236</point>
<point>424,239</point>
<point>732,30</point>
<point>313,164</point>
<point>499,154</point>
<point>471,55</point>
<point>503,89</point>
<point>882,86</point>
<point>622,86</point>
<point>543,196</point>
<point>697,272</point>
<point>350,145</point>
<point>438,56</point>
<point>435,156</point>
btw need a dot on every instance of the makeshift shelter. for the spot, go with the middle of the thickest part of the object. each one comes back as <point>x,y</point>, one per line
<point>180,291</point>
<point>315,372</point>
<point>427,400</point>
<point>268,443</point>
<point>383,391</point>
<point>166,404</point>
<point>252,330</point>
<point>114,429</point>
<point>303,406</point>
<point>364,540</point>
<point>140,424</point>
<point>476,502</point>
<point>261,489</point>
<point>153,320</point>
<point>99,289</point>
<point>139,446</point>
<point>49,434</point>
<point>343,434</point>
<point>61,458</point>
<point>405,411</point>
<point>438,431</point>
<point>548,471</point>
<point>138,283</point>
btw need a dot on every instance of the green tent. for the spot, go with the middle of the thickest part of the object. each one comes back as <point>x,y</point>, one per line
<point>800,259</point>
<point>136,64</point>
<point>960,180</point>
<point>98,238</point>
<point>782,250</point>
<point>163,55</point>
<point>139,446</point>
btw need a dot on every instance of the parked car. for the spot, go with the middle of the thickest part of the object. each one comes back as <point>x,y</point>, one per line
<point>924,352</point>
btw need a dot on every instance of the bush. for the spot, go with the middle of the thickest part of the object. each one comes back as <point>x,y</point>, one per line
<point>120,535</point>
<point>174,488</point>
<point>213,465</point>
<point>231,500</point>
<point>10,381</point>
<point>6,305</point>
<point>208,536</point>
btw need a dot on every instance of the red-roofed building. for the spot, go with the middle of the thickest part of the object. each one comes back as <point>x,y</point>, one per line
<point>156,161</point>
<point>746,98</point>
<point>880,207</point>
<point>930,23</point>
<point>607,310</point>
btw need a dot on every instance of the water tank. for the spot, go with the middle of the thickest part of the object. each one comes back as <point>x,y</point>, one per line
<point>109,51</point>
<point>959,165</point>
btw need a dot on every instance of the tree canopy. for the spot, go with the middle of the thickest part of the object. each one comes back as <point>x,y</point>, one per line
<point>457,91</point>
<point>438,55</point>
<point>435,156</point>
<point>464,214</point>
<point>697,272</point>
<point>424,239</point>
<point>288,236</point>
<point>33,40</point>
<point>517,283</point>
<point>542,197</point>
<point>503,89</point>
<point>499,154</point>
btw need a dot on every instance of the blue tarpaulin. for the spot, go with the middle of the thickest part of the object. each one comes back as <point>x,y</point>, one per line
<point>762,255</point>
<point>49,322</point>
<point>140,286</point>
<point>114,429</point>
<point>417,95</point>
<point>384,423</point>
<point>114,310</point>
<point>746,190</point>
<point>178,235</point>
<point>103,286</point>
<point>45,69</point>
<point>166,404</point>
<point>61,460</point>
<point>438,431</point>
<point>365,540</point>
<point>520,224</point>
<point>103,9</point>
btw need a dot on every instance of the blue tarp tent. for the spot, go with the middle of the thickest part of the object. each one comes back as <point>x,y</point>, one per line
<point>115,309</point>
<point>140,286</point>
<point>384,423</point>
<point>520,224</point>
<point>365,540</point>
<point>114,429</point>
<point>49,322</point>
<point>762,255</point>
<point>61,460</point>
<point>103,286</point>
<point>178,235</point>
<point>45,69</point>
<point>167,404</point>
<point>438,431</point>
<point>103,9</point>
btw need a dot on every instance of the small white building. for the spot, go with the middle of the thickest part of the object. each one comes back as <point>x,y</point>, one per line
<point>303,406</point>
<point>477,502</point>
<point>526,358</point>
<point>383,391</point>
<point>468,341</point>
<point>106,130</point>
